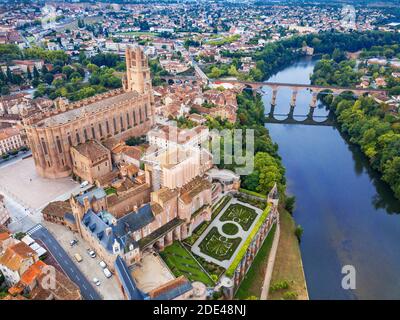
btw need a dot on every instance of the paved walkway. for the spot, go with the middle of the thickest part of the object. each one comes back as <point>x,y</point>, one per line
<point>270,264</point>
<point>218,224</point>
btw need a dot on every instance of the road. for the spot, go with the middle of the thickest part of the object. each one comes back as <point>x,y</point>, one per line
<point>41,233</point>
<point>14,159</point>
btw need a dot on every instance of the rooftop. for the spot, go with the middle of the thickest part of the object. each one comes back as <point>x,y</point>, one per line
<point>14,255</point>
<point>92,150</point>
<point>57,208</point>
<point>86,110</point>
<point>193,188</point>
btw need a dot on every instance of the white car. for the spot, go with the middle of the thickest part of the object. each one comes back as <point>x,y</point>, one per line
<point>84,184</point>
<point>96,281</point>
<point>107,273</point>
<point>102,264</point>
<point>91,253</point>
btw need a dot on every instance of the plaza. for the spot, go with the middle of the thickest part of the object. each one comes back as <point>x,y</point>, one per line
<point>20,181</point>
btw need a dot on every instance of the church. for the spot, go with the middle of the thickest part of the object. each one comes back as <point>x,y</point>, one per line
<point>119,114</point>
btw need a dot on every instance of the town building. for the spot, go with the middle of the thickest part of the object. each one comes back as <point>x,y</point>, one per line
<point>15,261</point>
<point>168,135</point>
<point>90,160</point>
<point>33,282</point>
<point>10,140</point>
<point>5,218</point>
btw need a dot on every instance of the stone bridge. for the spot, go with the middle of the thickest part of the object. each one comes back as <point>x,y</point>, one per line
<point>275,86</point>
<point>315,89</point>
<point>308,119</point>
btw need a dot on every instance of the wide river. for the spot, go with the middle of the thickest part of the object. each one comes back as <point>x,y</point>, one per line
<point>349,216</point>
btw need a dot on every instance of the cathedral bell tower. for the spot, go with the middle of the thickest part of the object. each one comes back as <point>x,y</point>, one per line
<point>137,71</point>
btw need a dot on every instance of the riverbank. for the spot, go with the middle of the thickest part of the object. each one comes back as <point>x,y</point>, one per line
<point>288,266</point>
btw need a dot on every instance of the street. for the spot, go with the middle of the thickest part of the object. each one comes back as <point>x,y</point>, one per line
<point>69,267</point>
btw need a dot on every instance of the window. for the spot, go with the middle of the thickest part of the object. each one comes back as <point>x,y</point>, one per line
<point>145,111</point>
<point>122,123</point>
<point>93,133</point>
<point>69,140</point>
<point>44,146</point>
<point>128,121</point>
<point>85,134</point>
<point>59,144</point>
<point>115,125</point>
<point>78,139</point>
<point>100,130</point>
<point>134,117</point>
<point>107,127</point>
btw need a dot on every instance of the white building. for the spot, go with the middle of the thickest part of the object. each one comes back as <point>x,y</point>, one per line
<point>10,139</point>
<point>167,136</point>
<point>4,214</point>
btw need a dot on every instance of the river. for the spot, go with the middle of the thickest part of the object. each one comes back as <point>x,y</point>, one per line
<point>349,216</point>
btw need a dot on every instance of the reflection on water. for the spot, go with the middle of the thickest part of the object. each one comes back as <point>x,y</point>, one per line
<point>349,215</point>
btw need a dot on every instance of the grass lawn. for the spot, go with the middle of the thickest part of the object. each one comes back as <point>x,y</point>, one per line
<point>210,267</point>
<point>181,262</point>
<point>240,214</point>
<point>254,279</point>
<point>288,266</point>
<point>217,246</point>
<point>110,190</point>
<point>230,229</point>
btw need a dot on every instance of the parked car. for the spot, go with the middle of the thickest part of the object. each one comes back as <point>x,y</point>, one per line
<point>96,281</point>
<point>73,242</point>
<point>84,184</point>
<point>107,273</point>
<point>91,253</point>
<point>78,257</point>
<point>102,264</point>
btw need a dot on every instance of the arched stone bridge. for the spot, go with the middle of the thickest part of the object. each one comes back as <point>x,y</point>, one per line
<point>315,89</point>
<point>275,86</point>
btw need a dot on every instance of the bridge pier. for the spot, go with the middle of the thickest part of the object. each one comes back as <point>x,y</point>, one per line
<point>310,113</point>
<point>272,111</point>
<point>274,94</point>
<point>291,113</point>
<point>314,100</point>
<point>293,98</point>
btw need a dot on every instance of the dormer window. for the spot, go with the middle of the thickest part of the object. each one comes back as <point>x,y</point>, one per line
<point>116,247</point>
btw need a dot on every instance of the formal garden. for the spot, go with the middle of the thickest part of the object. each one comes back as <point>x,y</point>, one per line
<point>218,246</point>
<point>227,231</point>
<point>240,214</point>
<point>181,262</point>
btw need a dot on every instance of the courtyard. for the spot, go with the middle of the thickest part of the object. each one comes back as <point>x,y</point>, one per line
<point>222,239</point>
<point>151,273</point>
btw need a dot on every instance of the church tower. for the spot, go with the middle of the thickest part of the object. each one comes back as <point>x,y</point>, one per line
<point>137,71</point>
